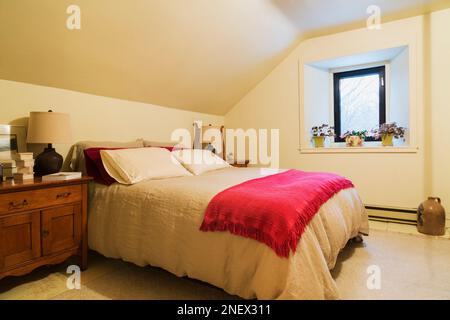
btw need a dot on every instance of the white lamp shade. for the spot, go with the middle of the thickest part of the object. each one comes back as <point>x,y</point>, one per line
<point>49,127</point>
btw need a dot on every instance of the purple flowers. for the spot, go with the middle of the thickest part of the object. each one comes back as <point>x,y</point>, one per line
<point>389,129</point>
<point>322,131</point>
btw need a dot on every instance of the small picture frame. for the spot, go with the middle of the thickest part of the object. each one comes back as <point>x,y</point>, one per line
<point>12,141</point>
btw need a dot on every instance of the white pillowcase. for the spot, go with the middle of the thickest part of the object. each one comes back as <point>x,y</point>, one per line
<point>198,161</point>
<point>129,166</point>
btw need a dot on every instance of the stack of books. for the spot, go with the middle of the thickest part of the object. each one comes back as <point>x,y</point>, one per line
<point>9,168</point>
<point>24,164</point>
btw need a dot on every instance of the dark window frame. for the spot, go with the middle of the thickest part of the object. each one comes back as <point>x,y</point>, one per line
<point>381,71</point>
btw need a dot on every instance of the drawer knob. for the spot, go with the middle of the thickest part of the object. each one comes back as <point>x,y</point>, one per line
<point>17,205</point>
<point>63,195</point>
<point>45,233</point>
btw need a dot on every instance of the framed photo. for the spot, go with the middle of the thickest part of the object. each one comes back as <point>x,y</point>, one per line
<point>12,141</point>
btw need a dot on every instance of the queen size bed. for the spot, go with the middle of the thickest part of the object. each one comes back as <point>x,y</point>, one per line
<point>156,223</point>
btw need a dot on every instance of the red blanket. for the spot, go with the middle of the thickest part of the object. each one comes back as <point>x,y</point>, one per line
<point>274,209</point>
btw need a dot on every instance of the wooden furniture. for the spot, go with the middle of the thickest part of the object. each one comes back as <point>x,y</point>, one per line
<point>241,165</point>
<point>42,223</point>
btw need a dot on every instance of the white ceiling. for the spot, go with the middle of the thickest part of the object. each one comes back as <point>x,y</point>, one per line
<point>200,55</point>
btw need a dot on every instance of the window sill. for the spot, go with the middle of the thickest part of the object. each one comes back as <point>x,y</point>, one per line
<point>364,149</point>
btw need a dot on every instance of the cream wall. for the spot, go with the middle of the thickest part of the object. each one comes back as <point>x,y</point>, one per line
<point>399,91</point>
<point>388,179</point>
<point>439,61</point>
<point>96,117</point>
<point>316,98</point>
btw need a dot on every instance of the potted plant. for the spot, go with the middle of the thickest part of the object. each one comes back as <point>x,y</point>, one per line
<point>387,132</point>
<point>354,138</point>
<point>319,133</point>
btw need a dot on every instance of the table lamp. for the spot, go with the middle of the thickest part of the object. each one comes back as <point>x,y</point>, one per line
<point>48,127</point>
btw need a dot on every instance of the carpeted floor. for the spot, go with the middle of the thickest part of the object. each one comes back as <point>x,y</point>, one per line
<point>411,267</point>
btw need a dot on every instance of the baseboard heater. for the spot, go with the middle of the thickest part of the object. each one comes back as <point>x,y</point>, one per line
<point>392,214</point>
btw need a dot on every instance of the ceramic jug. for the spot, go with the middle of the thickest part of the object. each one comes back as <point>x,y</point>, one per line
<point>431,217</point>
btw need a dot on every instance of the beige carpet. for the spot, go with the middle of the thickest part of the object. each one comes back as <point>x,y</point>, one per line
<point>411,266</point>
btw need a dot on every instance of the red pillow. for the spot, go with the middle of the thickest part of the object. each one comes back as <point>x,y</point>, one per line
<point>94,165</point>
<point>168,148</point>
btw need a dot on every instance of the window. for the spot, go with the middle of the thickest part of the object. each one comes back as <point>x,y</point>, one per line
<point>359,100</point>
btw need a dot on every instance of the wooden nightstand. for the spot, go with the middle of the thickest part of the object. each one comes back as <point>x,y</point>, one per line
<point>241,165</point>
<point>42,223</point>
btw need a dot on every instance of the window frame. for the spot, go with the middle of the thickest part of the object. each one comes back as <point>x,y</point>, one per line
<point>337,76</point>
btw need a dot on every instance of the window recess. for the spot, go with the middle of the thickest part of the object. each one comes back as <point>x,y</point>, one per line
<point>359,92</point>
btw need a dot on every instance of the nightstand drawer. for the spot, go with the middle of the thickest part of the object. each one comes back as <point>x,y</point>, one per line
<point>35,199</point>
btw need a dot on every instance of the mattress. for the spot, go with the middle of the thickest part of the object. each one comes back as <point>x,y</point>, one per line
<point>157,222</point>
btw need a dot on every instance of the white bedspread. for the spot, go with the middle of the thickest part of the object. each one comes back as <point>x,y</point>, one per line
<point>157,223</point>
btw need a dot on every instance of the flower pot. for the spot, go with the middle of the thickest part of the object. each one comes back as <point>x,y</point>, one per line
<point>354,141</point>
<point>387,140</point>
<point>319,142</point>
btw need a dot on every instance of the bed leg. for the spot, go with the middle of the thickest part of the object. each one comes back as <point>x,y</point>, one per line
<point>358,239</point>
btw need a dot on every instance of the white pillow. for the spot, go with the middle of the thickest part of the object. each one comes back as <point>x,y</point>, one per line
<point>129,166</point>
<point>198,161</point>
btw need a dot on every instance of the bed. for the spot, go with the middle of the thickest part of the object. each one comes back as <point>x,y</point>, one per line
<point>156,223</point>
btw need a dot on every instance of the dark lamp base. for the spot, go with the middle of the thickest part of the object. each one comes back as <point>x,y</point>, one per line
<point>48,162</point>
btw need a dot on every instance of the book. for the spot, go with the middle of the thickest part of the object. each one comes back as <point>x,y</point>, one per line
<point>23,176</point>
<point>8,172</point>
<point>25,163</point>
<point>23,156</point>
<point>61,176</point>
<point>8,164</point>
<point>25,170</point>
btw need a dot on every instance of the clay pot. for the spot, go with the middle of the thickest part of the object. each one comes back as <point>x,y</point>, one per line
<point>354,141</point>
<point>431,217</point>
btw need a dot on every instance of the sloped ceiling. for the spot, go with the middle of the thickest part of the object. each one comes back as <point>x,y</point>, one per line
<point>199,55</point>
